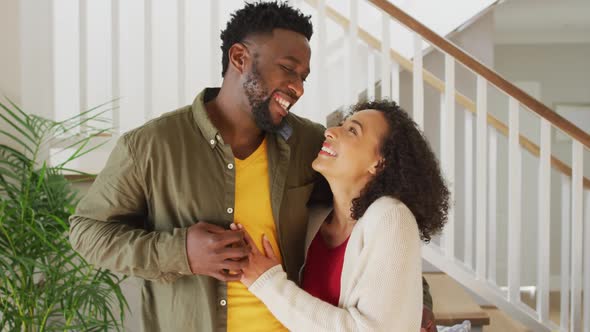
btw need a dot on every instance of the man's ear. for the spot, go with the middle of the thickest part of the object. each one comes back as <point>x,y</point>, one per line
<point>238,56</point>
<point>376,166</point>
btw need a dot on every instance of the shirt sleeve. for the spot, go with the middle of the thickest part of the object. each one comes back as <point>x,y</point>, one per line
<point>389,288</point>
<point>108,230</point>
<point>427,298</point>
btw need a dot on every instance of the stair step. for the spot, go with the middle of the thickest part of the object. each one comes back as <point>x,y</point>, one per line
<point>500,321</point>
<point>452,303</point>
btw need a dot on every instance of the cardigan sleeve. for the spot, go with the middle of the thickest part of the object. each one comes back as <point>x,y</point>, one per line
<point>388,293</point>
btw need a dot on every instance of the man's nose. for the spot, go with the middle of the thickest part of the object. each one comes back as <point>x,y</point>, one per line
<point>296,87</point>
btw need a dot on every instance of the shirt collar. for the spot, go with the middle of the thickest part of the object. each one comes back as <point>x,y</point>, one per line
<point>208,129</point>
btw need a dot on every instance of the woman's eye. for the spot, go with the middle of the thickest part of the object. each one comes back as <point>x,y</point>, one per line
<point>352,130</point>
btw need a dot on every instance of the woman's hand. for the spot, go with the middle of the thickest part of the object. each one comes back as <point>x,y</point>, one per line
<point>258,263</point>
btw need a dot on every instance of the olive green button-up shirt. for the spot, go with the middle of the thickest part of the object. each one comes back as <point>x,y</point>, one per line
<point>169,174</point>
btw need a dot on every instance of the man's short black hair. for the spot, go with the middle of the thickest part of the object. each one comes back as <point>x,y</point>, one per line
<point>262,17</point>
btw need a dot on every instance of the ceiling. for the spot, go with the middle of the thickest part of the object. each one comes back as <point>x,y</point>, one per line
<point>542,21</point>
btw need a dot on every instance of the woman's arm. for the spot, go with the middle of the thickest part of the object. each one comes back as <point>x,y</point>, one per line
<point>387,295</point>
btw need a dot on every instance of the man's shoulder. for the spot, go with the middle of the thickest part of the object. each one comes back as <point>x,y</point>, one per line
<point>172,123</point>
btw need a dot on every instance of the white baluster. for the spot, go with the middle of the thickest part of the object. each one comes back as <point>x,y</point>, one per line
<point>215,53</point>
<point>492,205</point>
<point>418,83</point>
<point>371,75</point>
<point>66,68</point>
<point>586,304</point>
<point>148,86</point>
<point>83,55</point>
<point>385,56</point>
<point>577,232</point>
<point>469,189</point>
<point>395,85</point>
<point>352,64</point>
<point>514,202</point>
<point>321,59</point>
<point>98,54</point>
<point>181,52</point>
<point>115,56</point>
<point>565,251</point>
<point>448,150</point>
<point>165,56</point>
<point>544,222</point>
<point>132,69</point>
<point>481,185</point>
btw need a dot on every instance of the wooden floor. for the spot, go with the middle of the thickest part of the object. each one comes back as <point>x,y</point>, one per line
<point>453,304</point>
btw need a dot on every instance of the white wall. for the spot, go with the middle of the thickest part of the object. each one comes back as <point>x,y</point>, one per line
<point>562,69</point>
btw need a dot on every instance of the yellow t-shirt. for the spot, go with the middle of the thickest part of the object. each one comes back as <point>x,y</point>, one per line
<point>253,210</point>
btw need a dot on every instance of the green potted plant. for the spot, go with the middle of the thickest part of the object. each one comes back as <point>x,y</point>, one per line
<point>44,284</point>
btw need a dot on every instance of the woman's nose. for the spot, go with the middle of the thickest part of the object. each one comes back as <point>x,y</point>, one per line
<point>330,133</point>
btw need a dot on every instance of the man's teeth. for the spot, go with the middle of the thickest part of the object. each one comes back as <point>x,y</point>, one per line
<point>285,104</point>
<point>329,151</point>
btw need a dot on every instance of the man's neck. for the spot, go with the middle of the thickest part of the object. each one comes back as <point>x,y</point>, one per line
<point>233,118</point>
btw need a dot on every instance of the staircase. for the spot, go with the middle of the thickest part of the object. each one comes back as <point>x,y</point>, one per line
<point>519,194</point>
<point>470,138</point>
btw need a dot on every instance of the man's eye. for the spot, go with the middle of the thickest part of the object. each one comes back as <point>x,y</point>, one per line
<point>287,69</point>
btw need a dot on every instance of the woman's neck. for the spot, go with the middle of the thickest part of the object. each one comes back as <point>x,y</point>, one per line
<point>344,192</point>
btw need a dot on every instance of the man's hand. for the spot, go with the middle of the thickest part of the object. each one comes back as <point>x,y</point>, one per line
<point>214,251</point>
<point>428,324</point>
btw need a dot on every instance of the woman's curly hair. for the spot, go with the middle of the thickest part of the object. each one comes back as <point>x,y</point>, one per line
<point>409,172</point>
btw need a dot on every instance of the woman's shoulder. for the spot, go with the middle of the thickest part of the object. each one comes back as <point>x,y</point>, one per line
<point>388,213</point>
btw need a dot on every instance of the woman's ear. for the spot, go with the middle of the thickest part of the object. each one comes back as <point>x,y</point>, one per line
<point>238,55</point>
<point>377,165</point>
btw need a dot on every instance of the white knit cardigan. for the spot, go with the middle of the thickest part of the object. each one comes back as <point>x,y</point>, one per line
<point>381,285</point>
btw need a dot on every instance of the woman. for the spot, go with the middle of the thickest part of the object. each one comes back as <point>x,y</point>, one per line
<point>363,261</point>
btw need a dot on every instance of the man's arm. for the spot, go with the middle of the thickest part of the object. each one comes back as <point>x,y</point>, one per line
<point>428,324</point>
<point>107,228</point>
<point>101,230</point>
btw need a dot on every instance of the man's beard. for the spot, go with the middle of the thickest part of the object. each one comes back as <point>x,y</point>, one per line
<point>260,103</point>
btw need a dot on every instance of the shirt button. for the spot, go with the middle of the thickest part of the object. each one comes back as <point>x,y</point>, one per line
<point>230,210</point>
<point>223,303</point>
<point>230,166</point>
<point>212,142</point>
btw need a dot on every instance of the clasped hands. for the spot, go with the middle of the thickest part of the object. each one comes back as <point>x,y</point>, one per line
<point>227,255</point>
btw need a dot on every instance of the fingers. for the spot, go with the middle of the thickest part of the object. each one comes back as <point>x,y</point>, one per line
<point>235,252</point>
<point>226,276</point>
<point>249,241</point>
<point>234,265</point>
<point>222,236</point>
<point>210,227</point>
<point>268,248</point>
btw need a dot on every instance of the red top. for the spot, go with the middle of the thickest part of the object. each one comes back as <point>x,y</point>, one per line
<point>323,268</point>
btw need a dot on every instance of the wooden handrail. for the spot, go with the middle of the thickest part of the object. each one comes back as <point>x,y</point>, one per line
<point>480,69</point>
<point>438,84</point>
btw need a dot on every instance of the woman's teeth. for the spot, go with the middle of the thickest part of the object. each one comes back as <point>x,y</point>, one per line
<point>329,151</point>
<point>284,104</point>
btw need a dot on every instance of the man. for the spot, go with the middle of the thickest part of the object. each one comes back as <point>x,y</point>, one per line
<point>161,207</point>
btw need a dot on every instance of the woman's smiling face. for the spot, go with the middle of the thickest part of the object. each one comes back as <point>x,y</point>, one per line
<point>352,150</point>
